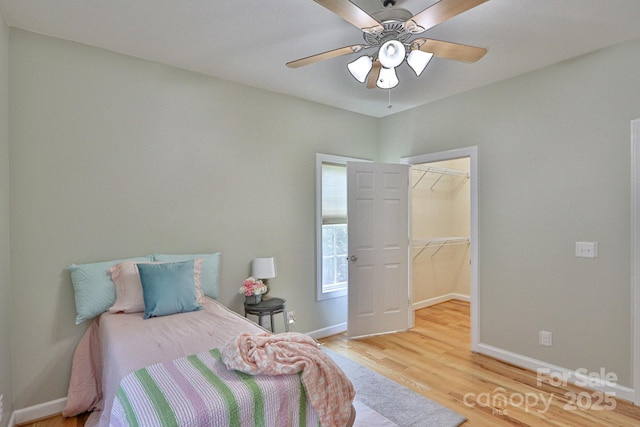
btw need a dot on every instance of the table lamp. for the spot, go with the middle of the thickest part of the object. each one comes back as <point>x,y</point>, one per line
<point>264,269</point>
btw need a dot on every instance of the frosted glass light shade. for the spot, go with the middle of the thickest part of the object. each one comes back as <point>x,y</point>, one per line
<point>391,54</point>
<point>360,68</point>
<point>418,60</point>
<point>387,79</point>
<point>263,268</point>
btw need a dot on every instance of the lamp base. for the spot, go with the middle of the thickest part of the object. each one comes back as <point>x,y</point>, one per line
<point>253,299</point>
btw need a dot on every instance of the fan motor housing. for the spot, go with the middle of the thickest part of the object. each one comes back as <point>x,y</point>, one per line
<point>392,21</point>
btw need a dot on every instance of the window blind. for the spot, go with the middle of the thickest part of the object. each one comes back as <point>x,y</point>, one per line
<point>334,193</point>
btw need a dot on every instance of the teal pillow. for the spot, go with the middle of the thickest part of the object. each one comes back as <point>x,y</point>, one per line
<point>210,274</point>
<point>168,288</point>
<point>93,288</point>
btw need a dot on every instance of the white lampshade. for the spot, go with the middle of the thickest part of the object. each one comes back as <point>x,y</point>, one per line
<point>387,78</point>
<point>360,68</point>
<point>391,54</point>
<point>263,268</point>
<point>418,60</point>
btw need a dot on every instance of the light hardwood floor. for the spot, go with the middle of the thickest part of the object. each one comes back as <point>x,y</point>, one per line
<point>57,421</point>
<point>434,359</point>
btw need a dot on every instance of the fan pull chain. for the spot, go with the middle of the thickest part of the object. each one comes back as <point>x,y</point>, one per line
<point>389,106</point>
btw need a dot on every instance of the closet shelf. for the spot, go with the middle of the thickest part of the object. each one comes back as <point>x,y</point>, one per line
<point>441,242</point>
<point>434,169</point>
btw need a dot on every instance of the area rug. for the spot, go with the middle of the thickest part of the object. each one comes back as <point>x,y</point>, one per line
<point>382,402</point>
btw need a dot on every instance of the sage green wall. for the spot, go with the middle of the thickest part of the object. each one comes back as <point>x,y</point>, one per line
<point>5,276</point>
<point>554,168</point>
<point>113,156</point>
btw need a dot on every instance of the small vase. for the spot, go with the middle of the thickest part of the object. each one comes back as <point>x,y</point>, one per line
<point>253,299</point>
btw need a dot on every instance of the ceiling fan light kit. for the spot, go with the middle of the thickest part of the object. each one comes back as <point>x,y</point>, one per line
<point>360,68</point>
<point>418,60</point>
<point>387,79</point>
<point>390,31</point>
<point>391,54</point>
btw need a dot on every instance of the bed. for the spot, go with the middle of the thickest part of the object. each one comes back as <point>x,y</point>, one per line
<point>119,347</point>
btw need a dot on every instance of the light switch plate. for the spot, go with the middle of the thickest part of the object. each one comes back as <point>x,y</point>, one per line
<point>587,249</point>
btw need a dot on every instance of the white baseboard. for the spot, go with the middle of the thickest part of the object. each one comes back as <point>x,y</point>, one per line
<point>437,300</point>
<point>36,412</point>
<point>328,331</point>
<point>573,377</point>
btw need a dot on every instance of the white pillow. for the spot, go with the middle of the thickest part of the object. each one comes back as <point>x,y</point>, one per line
<point>129,298</point>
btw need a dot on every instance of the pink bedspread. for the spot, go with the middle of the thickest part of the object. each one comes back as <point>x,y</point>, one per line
<point>328,389</point>
<point>117,344</point>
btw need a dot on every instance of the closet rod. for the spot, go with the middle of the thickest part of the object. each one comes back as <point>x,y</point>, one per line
<point>438,170</point>
<point>445,171</point>
<point>443,241</point>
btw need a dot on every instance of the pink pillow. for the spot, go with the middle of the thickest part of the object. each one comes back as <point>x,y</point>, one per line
<point>129,297</point>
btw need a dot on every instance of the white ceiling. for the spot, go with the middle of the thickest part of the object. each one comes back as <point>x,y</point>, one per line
<point>249,41</point>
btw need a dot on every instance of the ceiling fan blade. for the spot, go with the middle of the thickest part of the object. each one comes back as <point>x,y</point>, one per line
<point>439,12</point>
<point>450,50</point>
<point>352,14</point>
<point>374,74</point>
<point>325,55</point>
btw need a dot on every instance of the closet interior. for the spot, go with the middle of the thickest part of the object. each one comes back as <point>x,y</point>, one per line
<point>440,216</point>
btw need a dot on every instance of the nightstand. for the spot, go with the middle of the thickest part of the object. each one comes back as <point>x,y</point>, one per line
<point>268,307</point>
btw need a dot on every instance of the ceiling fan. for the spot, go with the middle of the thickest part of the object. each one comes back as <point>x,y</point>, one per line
<point>390,31</point>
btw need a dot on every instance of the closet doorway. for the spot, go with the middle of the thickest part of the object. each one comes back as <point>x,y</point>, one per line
<point>444,249</point>
<point>440,232</point>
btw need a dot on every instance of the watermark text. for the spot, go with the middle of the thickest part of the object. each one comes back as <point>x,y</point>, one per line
<point>501,400</point>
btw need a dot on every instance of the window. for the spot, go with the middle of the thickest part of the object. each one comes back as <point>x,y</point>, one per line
<point>335,271</point>
<point>331,226</point>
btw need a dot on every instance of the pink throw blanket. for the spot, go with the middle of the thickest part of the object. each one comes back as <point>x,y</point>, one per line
<point>328,388</point>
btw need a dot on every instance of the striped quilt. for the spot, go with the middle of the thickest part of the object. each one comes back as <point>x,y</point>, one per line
<point>199,390</point>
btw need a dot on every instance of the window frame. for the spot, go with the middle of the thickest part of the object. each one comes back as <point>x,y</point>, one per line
<point>321,294</point>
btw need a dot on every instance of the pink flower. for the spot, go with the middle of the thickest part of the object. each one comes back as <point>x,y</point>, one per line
<point>252,286</point>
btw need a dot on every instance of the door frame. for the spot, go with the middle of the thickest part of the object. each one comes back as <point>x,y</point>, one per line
<point>472,154</point>
<point>635,254</point>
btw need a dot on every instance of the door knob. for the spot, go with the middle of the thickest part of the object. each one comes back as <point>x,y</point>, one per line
<point>354,258</point>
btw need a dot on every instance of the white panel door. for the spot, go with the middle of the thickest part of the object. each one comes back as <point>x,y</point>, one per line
<point>378,212</point>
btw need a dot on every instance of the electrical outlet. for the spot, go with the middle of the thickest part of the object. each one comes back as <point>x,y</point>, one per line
<point>587,249</point>
<point>545,338</point>
<point>291,317</point>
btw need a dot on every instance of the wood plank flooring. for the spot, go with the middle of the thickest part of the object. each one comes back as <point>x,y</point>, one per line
<point>58,421</point>
<point>434,359</point>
